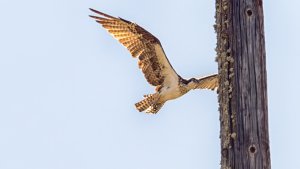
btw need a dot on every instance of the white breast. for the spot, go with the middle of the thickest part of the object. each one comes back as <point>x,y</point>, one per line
<point>170,93</point>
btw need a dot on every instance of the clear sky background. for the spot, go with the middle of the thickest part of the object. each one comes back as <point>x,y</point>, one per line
<point>67,88</point>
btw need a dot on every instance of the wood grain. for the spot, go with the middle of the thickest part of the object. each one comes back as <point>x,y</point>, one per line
<point>243,101</point>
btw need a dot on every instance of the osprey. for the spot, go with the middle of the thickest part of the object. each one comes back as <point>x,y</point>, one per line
<point>153,62</point>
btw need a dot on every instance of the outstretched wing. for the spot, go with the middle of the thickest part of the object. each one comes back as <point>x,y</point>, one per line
<point>208,82</point>
<point>143,45</point>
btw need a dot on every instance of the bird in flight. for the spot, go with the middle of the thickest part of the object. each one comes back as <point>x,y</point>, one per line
<point>153,62</point>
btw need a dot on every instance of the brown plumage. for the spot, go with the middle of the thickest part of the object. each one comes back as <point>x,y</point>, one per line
<point>153,62</point>
<point>138,41</point>
<point>208,82</point>
<point>148,104</point>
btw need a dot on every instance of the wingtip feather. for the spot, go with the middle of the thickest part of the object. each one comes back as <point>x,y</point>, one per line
<point>101,13</point>
<point>96,17</point>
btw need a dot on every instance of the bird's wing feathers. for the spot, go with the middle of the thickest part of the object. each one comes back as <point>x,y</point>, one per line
<point>142,44</point>
<point>208,82</point>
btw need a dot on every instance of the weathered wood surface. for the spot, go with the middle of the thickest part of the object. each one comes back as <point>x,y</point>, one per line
<point>243,102</point>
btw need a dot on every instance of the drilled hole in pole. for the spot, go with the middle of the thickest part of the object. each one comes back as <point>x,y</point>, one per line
<point>252,149</point>
<point>249,12</point>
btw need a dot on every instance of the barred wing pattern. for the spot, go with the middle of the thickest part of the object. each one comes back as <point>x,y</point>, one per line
<point>208,82</point>
<point>141,44</point>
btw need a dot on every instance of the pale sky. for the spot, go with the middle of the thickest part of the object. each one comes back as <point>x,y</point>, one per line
<point>67,88</point>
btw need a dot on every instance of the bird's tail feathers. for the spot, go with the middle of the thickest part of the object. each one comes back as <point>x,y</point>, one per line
<point>149,104</point>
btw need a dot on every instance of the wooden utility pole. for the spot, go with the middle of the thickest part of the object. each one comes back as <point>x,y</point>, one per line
<point>243,102</point>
